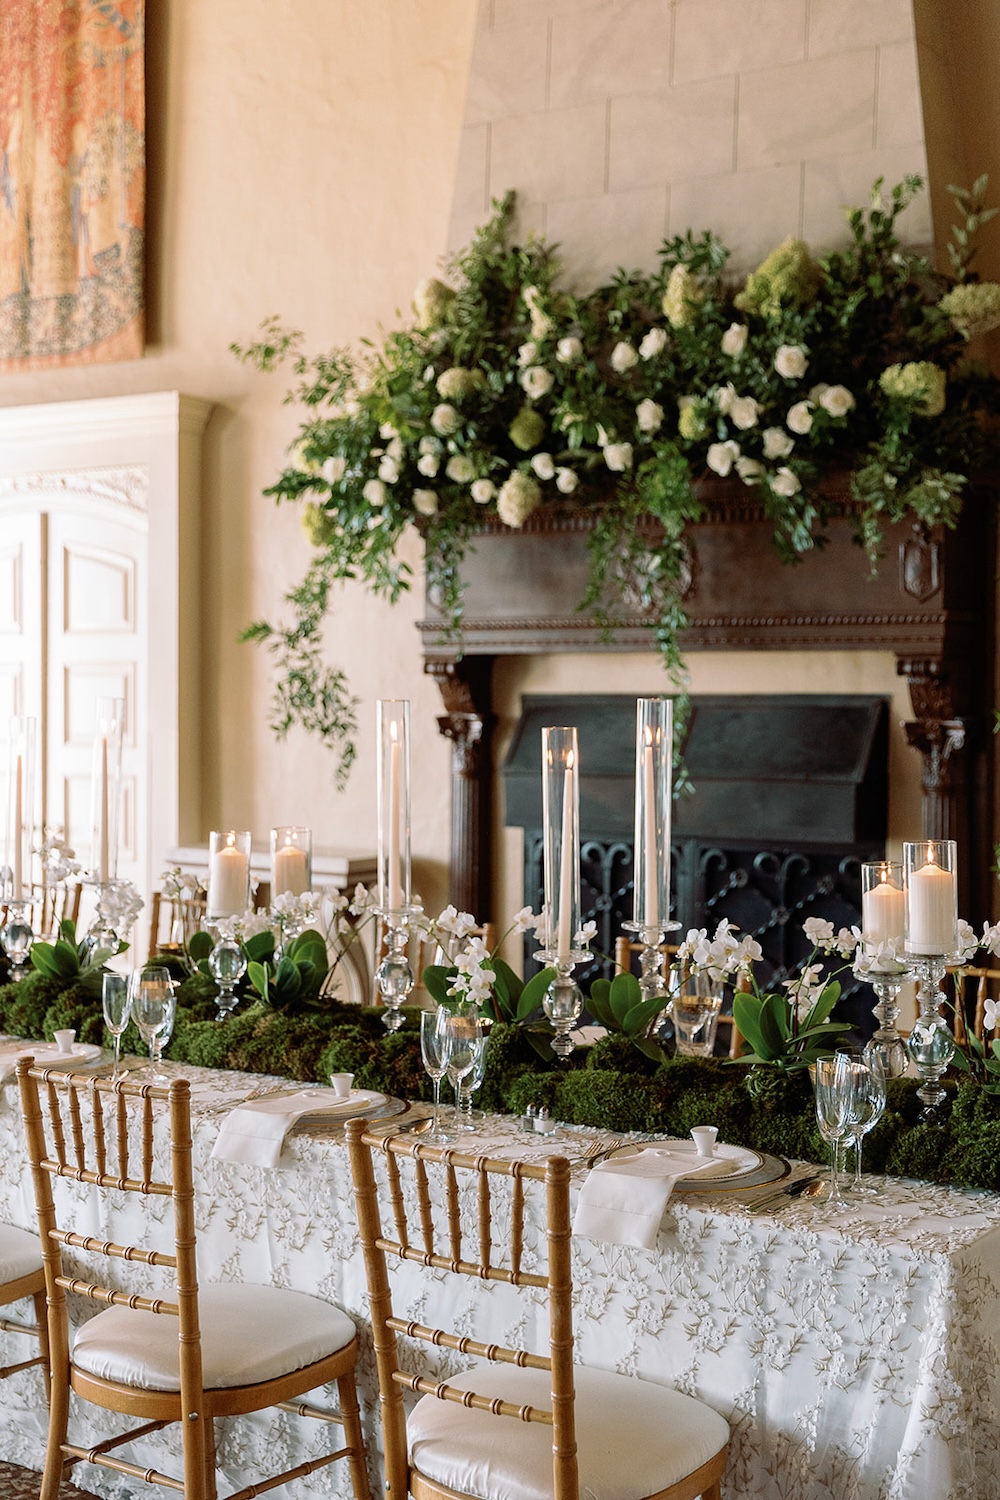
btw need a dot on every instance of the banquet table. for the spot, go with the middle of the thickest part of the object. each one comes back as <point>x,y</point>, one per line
<point>854,1353</point>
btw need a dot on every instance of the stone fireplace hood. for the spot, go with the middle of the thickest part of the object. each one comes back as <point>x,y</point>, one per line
<point>932,605</point>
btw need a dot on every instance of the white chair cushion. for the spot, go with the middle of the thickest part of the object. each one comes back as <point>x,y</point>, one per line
<point>633,1438</point>
<point>248,1334</point>
<point>20,1253</point>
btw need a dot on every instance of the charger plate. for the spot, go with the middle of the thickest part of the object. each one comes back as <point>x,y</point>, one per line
<point>751,1169</point>
<point>373,1107</point>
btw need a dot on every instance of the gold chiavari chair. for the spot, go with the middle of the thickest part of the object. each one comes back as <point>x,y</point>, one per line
<point>624,949</point>
<point>575,1431</point>
<point>22,1275</point>
<point>50,906</point>
<point>176,1352</point>
<point>971,988</point>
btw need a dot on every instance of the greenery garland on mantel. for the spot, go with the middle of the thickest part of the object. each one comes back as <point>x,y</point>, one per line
<point>611,1085</point>
<point>508,396</point>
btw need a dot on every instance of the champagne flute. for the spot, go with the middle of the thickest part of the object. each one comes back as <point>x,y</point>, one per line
<point>116,1003</point>
<point>840,1106</point>
<point>875,1101</point>
<point>153,1013</point>
<point>434,1050</point>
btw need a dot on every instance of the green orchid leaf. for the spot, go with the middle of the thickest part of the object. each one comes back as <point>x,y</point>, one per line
<point>437,980</point>
<point>599,1003</point>
<point>200,946</point>
<point>961,1062</point>
<point>67,930</point>
<point>650,1049</point>
<point>258,977</point>
<point>507,988</point>
<point>746,1014</point>
<point>625,996</point>
<point>640,1016</point>
<point>43,958</point>
<point>534,993</point>
<point>774,1035</point>
<point>260,947</point>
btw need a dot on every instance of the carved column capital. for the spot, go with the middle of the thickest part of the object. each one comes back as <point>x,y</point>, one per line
<point>468,723</point>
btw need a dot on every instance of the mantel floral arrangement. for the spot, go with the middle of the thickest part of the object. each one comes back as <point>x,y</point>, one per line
<point>507,394</point>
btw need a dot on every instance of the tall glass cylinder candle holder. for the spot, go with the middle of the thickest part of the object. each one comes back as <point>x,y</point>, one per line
<point>930,888</point>
<point>23,738</point>
<point>228,874</point>
<point>393,772</point>
<point>291,861</point>
<point>882,928</point>
<point>654,753</point>
<point>561,864</point>
<point>106,789</point>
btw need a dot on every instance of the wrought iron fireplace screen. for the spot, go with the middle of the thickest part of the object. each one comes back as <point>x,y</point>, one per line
<point>790,796</point>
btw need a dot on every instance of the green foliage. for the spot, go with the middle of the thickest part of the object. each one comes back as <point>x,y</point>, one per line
<point>770,1026</point>
<point>617,1004</point>
<point>506,392</point>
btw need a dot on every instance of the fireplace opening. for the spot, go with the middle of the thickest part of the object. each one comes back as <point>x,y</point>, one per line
<point>789,798</point>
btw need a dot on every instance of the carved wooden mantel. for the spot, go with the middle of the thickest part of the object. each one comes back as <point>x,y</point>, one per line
<point>931,604</point>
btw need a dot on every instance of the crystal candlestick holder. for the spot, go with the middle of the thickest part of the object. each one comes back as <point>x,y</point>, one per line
<point>394,976</point>
<point>886,1040</point>
<point>562,1004</point>
<point>17,937</point>
<point>652,980</point>
<point>227,964</point>
<point>931,1045</point>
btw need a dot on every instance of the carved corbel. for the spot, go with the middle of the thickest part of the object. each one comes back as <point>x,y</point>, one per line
<point>939,734</point>
<point>468,723</point>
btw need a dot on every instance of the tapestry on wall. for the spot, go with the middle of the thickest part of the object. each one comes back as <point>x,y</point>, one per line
<point>72,181</point>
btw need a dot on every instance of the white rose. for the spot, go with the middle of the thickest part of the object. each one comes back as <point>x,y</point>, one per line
<point>721,457</point>
<point>623,357</point>
<point>537,381</point>
<point>460,468</point>
<point>734,340</point>
<point>374,492</point>
<point>837,400</point>
<point>785,483</point>
<point>743,411</point>
<point>648,416</point>
<point>428,465</point>
<point>334,469</point>
<point>388,469</point>
<point>618,457</point>
<point>527,354</point>
<point>387,430</point>
<point>395,449</point>
<point>568,351</point>
<point>777,443</point>
<point>429,445</point>
<point>800,418</point>
<point>817,391</point>
<point>445,419</point>
<point>750,470</point>
<point>544,465</point>
<point>483,491</point>
<point>724,397</point>
<point>426,501</point>
<point>566,481</point>
<point>790,361</point>
<point>654,343</point>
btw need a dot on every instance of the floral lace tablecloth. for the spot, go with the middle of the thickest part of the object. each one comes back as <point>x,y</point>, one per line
<point>855,1354</point>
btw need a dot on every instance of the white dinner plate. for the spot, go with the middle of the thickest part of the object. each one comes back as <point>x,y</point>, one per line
<point>48,1055</point>
<point>742,1162</point>
<point>326,1102</point>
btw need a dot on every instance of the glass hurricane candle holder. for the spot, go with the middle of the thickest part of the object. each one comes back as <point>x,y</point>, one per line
<point>930,891</point>
<point>228,874</point>
<point>20,807</point>
<point>106,789</point>
<point>291,861</point>
<point>561,862</point>
<point>654,752</point>
<point>882,937</point>
<point>393,783</point>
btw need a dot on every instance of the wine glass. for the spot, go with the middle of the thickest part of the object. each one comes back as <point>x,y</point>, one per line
<point>153,1013</point>
<point>875,1100</point>
<point>434,1049</point>
<point>473,1079</point>
<point>464,1041</point>
<point>840,1107</point>
<point>116,1003</point>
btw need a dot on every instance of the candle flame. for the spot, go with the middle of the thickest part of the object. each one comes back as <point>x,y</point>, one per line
<point>570,760</point>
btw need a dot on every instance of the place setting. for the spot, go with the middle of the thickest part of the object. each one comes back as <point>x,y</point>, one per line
<point>253,1132</point>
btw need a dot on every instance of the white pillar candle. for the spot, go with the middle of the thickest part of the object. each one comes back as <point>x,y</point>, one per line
<point>393,877</point>
<point>18,850</point>
<point>652,872</point>
<point>931,910</point>
<point>228,875</point>
<point>103,858</point>
<point>882,913</point>
<point>289,873</point>
<point>564,933</point>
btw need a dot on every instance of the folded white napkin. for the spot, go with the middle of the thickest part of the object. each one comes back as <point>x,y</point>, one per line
<point>622,1199</point>
<point>254,1133</point>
